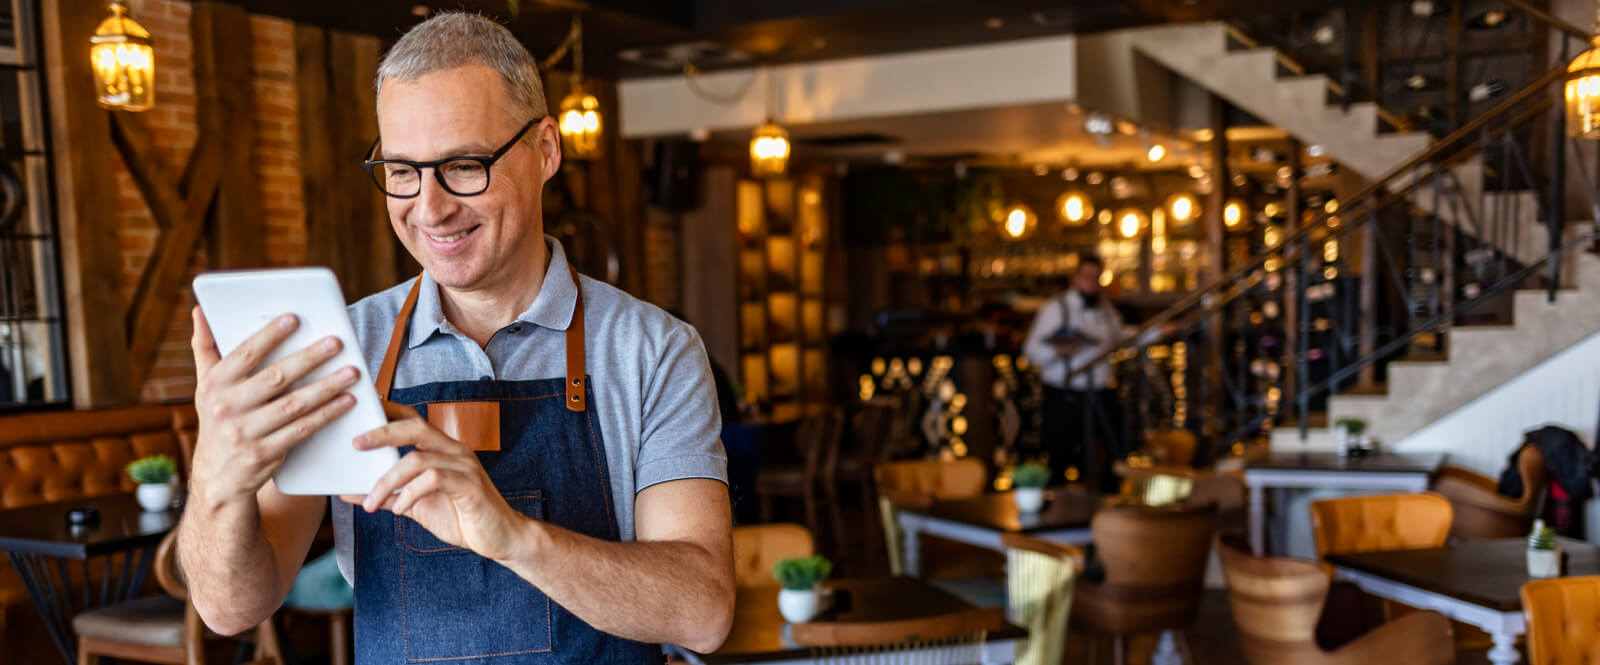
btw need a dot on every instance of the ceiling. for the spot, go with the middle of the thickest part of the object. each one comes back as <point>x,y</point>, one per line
<point>769,31</point>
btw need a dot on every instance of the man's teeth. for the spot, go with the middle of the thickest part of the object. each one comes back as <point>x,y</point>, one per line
<point>452,237</point>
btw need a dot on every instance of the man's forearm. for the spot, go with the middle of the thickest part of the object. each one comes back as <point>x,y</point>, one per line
<point>228,563</point>
<point>669,592</point>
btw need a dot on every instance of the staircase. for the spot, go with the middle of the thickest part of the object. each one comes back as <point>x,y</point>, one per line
<point>1249,79</point>
<point>1480,358</point>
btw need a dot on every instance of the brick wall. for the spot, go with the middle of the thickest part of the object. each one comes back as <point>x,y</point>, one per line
<point>173,126</point>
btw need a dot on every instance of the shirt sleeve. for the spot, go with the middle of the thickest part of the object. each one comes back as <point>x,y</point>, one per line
<point>681,424</point>
<point>1045,322</point>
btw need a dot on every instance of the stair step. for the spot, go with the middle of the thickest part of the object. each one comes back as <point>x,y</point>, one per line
<point>1374,389</point>
<point>1314,420</point>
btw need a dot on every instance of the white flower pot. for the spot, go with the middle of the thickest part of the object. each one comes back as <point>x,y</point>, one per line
<point>155,497</point>
<point>1544,563</point>
<point>1029,499</point>
<point>797,605</point>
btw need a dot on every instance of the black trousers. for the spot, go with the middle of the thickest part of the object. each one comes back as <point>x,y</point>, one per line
<point>1084,430</point>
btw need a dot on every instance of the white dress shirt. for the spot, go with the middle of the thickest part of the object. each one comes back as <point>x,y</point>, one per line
<point>1102,323</point>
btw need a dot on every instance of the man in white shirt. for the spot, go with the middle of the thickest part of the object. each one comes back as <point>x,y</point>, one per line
<point>1069,331</point>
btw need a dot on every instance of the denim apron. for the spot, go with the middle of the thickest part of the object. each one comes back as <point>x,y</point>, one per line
<point>421,600</point>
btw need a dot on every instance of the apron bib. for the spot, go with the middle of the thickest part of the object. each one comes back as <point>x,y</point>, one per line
<point>421,600</point>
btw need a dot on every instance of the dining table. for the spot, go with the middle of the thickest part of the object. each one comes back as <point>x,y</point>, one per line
<point>982,519</point>
<point>1474,582</point>
<point>70,568</point>
<point>760,634</point>
<point>1289,469</point>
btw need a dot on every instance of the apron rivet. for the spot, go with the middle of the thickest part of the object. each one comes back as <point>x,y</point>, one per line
<point>577,382</point>
<point>575,398</point>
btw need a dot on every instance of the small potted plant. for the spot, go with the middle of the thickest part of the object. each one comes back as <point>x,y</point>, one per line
<point>154,475</point>
<point>1348,431</point>
<point>797,602</point>
<point>1544,559</point>
<point>1029,480</point>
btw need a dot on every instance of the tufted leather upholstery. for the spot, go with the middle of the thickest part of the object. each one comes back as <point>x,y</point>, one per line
<point>58,456</point>
<point>758,547</point>
<point>1563,620</point>
<point>1380,523</point>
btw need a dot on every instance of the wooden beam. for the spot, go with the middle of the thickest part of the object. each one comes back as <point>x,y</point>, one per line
<point>226,103</point>
<point>1216,235</point>
<point>168,268</point>
<point>150,175</point>
<point>91,265</point>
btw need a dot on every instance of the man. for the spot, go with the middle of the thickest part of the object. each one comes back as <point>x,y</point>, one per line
<point>1068,332</point>
<point>576,510</point>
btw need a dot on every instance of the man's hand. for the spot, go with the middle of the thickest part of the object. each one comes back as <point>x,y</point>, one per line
<point>247,420</point>
<point>1066,349</point>
<point>441,485</point>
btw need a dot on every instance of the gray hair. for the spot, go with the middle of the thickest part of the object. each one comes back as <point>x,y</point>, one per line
<point>456,39</point>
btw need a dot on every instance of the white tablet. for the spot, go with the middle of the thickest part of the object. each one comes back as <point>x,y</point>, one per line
<point>237,304</point>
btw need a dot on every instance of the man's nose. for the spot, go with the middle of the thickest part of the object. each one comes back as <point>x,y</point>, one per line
<point>433,204</point>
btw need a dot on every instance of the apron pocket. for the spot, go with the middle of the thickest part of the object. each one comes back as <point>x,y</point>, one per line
<point>458,605</point>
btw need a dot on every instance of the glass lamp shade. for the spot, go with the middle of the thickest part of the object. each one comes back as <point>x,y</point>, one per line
<point>769,150</point>
<point>1018,222</point>
<point>124,62</point>
<point>1182,208</point>
<point>1130,221</point>
<point>1075,208</point>
<point>1583,94</point>
<point>580,123</point>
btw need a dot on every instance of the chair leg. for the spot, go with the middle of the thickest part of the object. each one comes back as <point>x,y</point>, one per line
<point>84,656</point>
<point>1119,649</point>
<point>339,639</point>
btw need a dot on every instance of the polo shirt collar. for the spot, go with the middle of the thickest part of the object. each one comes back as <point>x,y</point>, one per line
<point>552,308</point>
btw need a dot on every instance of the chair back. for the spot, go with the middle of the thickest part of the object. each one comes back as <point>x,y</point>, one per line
<point>757,548</point>
<point>1173,447</point>
<point>1155,564</point>
<point>955,638</point>
<point>1039,577</point>
<point>1276,603</point>
<point>920,483</point>
<point>1563,620</point>
<point>1380,523</point>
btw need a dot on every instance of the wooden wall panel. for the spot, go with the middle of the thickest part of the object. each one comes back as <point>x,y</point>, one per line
<point>226,101</point>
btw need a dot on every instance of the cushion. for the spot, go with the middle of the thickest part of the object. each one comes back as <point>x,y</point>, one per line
<point>320,586</point>
<point>153,621</point>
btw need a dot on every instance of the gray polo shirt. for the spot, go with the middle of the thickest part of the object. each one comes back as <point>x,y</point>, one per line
<point>653,392</point>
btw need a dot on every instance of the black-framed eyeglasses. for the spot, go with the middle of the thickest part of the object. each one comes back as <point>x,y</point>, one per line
<point>461,176</point>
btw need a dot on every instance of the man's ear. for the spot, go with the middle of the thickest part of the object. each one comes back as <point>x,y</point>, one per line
<point>547,141</point>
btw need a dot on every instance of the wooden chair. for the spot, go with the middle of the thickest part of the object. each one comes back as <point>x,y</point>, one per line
<point>845,467</point>
<point>1155,564</point>
<point>920,483</point>
<point>813,437</point>
<point>1276,603</point>
<point>758,547</point>
<point>1481,512</point>
<point>159,629</point>
<point>960,635</point>
<point>1173,447</point>
<point>1380,523</point>
<point>1039,579</point>
<point>1563,620</point>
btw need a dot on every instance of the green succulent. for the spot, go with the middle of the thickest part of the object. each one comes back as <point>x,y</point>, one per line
<point>802,573</point>
<point>152,470</point>
<point>1543,539</point>
<point>1354,425</point>
<point>1030,475</point>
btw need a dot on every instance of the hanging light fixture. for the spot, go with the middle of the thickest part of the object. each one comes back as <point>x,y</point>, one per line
<point>769,146</point>
<point>1583,91</point>
<point>1019,221</point>
<point>580,111</point>
<point>124,62</point>
<point>1156,153</point>
<point>1183,208</point>
<point>1129,222</point>
<point>1233,213</point>
<point>1074,207</point>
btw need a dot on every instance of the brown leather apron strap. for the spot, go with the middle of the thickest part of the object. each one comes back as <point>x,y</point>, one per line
<point>576,371</point>
<point>391,357</point>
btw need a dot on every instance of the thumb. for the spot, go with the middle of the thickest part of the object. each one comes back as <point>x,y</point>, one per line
<point>399,411</point>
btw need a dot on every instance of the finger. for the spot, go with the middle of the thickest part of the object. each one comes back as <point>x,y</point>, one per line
<point>273,379</point>
<point>280,441</point>
<point>403,471</point>
<point>428,482</point>
<point>353,499</point>
<point>409,432</point>
<point>398,411</point>
<point>203,344</point>
<point>279,412</point>
<point>243,360</point>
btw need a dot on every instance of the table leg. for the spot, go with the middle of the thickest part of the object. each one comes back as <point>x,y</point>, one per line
<point>1166,652</point>
<point>912,530</point>
<point>1505,649</point>
<point>1258,506</point>
<point>52,593</point>
<point>35,573</point>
